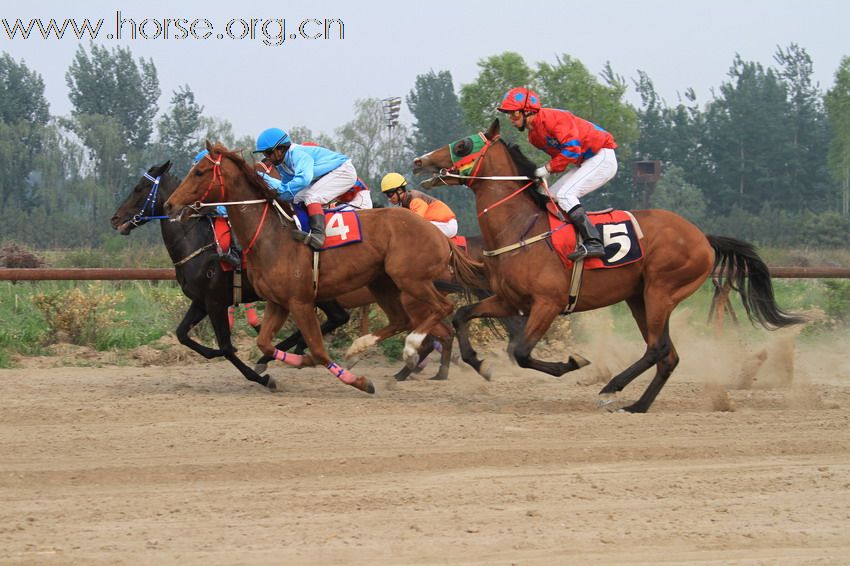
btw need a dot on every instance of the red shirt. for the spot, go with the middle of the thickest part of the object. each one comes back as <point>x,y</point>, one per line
<point>567,138</point>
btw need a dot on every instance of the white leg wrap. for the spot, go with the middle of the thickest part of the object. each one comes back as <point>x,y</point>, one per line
<point>363,343</point>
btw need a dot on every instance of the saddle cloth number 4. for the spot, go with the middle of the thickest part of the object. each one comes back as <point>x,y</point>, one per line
<point>336,227</point>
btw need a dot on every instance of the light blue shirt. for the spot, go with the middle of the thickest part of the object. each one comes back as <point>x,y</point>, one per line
<point>301,166</point>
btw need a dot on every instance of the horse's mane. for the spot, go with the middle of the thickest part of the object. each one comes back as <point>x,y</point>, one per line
<point>526,166</point>
<point>248,172</point>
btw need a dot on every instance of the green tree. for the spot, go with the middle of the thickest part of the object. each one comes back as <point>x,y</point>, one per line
<point>497,75</point>
<point>21,94</point>
<point>748,140</point>
<point>837,102</point>
<point>653,122</point>
<point>807,133</point>
<point>674,193</point>
<point>180,130</point>
<point>438,117</point>
<point>24,114</point>
<point>114,104</point>
<point>111,83</point>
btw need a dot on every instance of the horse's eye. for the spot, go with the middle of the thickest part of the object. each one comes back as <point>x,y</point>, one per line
<point>463,147</point>
<point>198,173</point>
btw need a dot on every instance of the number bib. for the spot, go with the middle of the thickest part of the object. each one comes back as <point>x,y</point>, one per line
<point>621,237</point>
<point>341,228</point>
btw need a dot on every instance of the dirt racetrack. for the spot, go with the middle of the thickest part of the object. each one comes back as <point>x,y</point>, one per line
<point>744,459</point>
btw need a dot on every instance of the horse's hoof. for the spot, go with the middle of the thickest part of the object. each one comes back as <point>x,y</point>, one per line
<point>579,361</point>
<point>364,385</point>
<point>438,377</point>
<point>271,383</point>
<point>606,401</point>
<point>261,368</point>
<point>486,370</point>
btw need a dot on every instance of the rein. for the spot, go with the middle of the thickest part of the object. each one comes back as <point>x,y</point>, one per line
<point>479,160</point>
<point>266,201</point>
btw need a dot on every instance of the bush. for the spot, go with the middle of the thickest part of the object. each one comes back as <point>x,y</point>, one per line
<point>837,302</point>
<point>78,317</point>
<point>16,256</point>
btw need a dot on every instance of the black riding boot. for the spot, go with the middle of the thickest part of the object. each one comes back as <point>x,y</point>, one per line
<point>592,244</point>
<point>316,238</point>
<point>233,256</point>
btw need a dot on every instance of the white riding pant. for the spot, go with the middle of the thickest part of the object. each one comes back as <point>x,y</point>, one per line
<point>448,228</point>
<point>579,181</point>
<point>329,186</point>
<point>361,201</point>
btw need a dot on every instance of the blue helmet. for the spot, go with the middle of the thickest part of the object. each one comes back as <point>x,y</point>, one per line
<point>200,156</point>
<point>270,139</point>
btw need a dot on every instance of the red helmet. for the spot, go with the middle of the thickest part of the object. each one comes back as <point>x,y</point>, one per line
<point>520,98</point>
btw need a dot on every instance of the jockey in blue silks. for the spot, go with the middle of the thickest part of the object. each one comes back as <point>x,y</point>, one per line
<point>310,175</point>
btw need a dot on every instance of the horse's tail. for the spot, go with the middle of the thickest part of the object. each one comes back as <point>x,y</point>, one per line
<point>468,272</point>
<point>737,263</point>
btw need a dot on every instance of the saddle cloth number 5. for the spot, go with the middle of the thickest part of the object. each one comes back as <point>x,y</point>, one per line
<point>616,234</point>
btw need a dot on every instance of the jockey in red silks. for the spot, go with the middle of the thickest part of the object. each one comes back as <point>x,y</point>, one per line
<point>569,140</point>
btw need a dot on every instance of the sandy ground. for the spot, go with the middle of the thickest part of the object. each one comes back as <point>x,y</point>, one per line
<point>744,459</point>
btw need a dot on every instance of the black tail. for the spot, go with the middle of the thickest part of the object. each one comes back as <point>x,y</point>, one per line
<point>737,263</point>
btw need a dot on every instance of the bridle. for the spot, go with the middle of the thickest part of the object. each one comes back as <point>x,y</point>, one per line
<point>474,161</point>
<point>150,202</point>
<point>217,175</point>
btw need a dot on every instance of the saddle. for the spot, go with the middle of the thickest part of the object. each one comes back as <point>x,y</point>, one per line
<point>620,231</point>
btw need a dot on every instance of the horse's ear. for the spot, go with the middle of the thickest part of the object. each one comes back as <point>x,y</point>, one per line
<point>494,130</point>
<point>209,146</point>
<point>165,167</point>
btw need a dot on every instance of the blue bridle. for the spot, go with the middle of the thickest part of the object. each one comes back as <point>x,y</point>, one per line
<point>150,202</point>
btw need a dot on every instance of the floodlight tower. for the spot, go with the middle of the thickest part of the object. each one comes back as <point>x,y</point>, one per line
<point>392,107</point>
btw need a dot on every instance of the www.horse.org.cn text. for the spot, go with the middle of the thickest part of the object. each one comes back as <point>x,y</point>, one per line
<point>268,31</point>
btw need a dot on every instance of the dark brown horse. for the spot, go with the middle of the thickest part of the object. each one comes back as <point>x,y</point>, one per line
<point>531,279</point>
<point>400,257</point>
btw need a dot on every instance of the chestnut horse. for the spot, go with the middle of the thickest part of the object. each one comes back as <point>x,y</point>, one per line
<point>400,256</point>
<point>531,278</point>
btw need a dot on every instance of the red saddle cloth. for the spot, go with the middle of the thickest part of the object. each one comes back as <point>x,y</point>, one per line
<point>341,229</point>
<point>621,236</point>
<point>221,227</point>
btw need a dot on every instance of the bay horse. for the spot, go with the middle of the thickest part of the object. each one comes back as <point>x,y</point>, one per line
<point>399,258</point>
<point>191,247</point>
<point>531,279</point>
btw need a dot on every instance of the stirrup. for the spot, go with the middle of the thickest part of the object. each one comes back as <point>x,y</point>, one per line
<point>315,240</point>
<point>233,257</point>
<point>583,251</point>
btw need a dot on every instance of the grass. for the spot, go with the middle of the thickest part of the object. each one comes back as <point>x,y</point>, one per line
<point>148,311</point>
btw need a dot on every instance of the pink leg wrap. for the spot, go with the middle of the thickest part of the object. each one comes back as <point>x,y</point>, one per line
<point>287,358</point>
<point>230,319</point>
<point>341,373</point>
<point>251,314</point>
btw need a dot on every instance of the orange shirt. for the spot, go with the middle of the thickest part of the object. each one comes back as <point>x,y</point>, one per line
<point>427,206</point>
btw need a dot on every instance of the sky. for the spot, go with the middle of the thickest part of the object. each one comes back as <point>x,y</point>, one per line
<point>314,82</point>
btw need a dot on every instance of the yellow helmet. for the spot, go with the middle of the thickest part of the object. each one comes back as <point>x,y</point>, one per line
<point>391,182</point>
